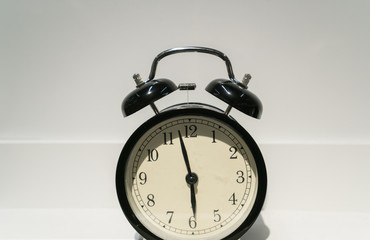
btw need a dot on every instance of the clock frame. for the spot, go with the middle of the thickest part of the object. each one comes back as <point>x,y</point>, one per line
<point>183,111</point>
<point>146,143</point>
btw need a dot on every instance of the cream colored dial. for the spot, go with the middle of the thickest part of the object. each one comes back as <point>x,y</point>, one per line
<point>162,199</point>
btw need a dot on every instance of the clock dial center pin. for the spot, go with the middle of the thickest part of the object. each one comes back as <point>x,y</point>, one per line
<point>191,178</point>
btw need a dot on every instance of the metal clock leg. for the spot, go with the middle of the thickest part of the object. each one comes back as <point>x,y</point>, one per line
<point>138,237</point>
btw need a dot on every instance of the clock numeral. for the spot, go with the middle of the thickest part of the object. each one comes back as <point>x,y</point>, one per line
<point>233,199</point>
<point>192,222</point>
<point>217,217</point>
<point>152,155</point>
<point>151,202</point>
<point>213,136</point>
<point>167,141</point>
<point>171,215</point>
<point>192,129</point>
<point>233,151</point>
<point>240,175</point>
<point>143,178</point>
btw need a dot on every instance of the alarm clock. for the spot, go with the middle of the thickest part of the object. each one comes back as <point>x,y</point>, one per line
<point>191,171</point>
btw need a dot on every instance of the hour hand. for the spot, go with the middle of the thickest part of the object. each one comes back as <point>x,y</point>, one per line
<point>193,199</point>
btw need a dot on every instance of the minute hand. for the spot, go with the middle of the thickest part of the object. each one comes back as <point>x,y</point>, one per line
<point>184,153</point>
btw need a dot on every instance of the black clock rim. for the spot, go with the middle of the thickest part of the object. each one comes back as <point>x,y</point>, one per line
<point>260,164</point>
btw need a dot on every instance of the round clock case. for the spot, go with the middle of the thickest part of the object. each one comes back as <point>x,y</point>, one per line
<point>151,179</point>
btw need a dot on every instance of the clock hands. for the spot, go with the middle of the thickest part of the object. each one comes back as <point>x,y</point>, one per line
<point>191,178</point>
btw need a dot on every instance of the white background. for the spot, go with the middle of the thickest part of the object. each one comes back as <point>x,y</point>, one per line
<point>65,67</point>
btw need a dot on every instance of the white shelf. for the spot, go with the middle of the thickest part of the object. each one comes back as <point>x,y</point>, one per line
<point>111,224</point>
<point>67,191</point>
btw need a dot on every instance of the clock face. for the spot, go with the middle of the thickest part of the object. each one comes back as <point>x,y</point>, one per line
<point>191,176</point>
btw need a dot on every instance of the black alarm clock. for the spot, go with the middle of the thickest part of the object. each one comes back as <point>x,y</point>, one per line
<point>191,171</point>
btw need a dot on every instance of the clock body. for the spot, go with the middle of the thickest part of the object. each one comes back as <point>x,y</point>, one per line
<point>151,178</point>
